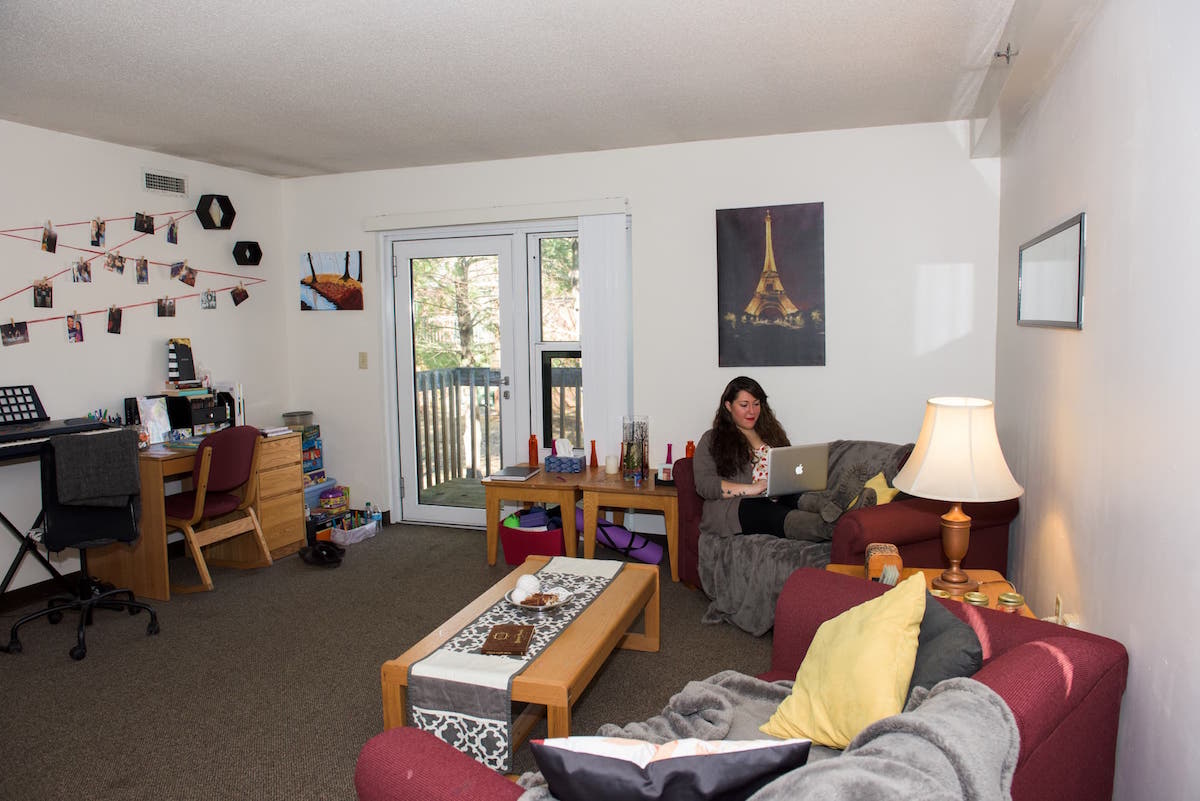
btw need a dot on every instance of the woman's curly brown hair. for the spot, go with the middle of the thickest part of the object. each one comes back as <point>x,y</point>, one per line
<point>730,450</point>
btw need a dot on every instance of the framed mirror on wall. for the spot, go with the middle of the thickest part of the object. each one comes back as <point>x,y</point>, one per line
<point>1050,277</point>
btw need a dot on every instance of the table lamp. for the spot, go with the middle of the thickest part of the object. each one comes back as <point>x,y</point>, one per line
<point>957,458</point>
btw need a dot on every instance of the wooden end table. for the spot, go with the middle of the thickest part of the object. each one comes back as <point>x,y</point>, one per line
<point>991,582</point>
<point>548,488</point>
<point>560,674</point>
<point>610,491</point>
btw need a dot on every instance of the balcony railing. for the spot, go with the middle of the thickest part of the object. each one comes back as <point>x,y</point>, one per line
<point>458,420</point>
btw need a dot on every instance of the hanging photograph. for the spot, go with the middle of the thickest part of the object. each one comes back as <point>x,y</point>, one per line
<point>188,276</point>
<point>143,223</point>
<point>173,231</point>
<point>177,268</point>
<point>97,238</point>
<point>114,319</point>
<point>13,333</point>
<point>43,294</point>
<point>142,270</point>
<point>771,286</point>
<point>239,294</point>
<point>331,281</point>
<point>49,238</point>
<point>81,272</point>
<point>75,327</point>
<point>208,299</point>
<point>114,262</point>
<point>166,307</point>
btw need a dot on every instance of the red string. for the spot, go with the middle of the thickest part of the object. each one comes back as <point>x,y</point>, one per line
<point>183,213</point>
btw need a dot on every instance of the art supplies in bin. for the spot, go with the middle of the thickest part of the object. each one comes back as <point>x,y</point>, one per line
<point>355,526</point>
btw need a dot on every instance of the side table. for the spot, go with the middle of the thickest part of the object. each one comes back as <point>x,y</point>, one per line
<point>559,488</point>
<point>991,582</point>
<point>610,491</point>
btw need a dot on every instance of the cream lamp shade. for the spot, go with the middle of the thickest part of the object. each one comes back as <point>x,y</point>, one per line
<point>957,456</point>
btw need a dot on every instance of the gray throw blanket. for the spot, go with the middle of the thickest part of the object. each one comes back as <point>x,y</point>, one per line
<point>97,469</point>
<point>957,741</point>
<point>743,574</point>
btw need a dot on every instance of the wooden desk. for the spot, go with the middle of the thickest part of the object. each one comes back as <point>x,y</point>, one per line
<point>991,582</point>
<point>559,488</point>
<point>142,566</point>
<point>560,674</point>
<point>601,490</point>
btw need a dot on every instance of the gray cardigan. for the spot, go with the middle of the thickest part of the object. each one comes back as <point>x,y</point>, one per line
<point>719,516</point>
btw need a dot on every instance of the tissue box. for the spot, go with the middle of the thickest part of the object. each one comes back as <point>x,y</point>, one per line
<point>565,464</point>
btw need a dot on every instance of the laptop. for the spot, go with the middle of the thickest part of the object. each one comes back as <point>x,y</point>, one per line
<point>797,468</point>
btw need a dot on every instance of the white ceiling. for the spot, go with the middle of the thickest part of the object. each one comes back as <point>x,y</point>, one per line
<point>303,87</point>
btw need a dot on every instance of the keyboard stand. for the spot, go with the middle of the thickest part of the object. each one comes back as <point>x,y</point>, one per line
<point>29,545</point>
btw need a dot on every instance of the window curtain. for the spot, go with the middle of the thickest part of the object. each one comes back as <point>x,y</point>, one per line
<point>606,323</point>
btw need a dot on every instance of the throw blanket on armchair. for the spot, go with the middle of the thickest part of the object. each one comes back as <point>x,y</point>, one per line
<point>744,574</point>
<point>956,742</point>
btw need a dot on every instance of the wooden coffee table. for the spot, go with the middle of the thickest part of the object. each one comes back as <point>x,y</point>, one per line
<point>991,582</point>
<point>557,677</point>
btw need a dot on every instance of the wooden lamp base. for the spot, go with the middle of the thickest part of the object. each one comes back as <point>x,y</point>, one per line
<point>956,536</point>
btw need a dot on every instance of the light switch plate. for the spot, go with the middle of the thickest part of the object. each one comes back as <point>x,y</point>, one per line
<point>362,360</point>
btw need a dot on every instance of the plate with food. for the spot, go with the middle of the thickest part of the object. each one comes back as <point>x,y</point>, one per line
<point>530,594</point>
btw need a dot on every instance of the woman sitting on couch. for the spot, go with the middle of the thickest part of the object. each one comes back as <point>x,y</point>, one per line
<point>731,462</point>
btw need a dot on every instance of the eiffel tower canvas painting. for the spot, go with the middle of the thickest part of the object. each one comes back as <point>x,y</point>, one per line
<point>771,286</point>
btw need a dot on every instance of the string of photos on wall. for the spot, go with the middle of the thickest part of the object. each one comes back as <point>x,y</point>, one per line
<point>93,250</point>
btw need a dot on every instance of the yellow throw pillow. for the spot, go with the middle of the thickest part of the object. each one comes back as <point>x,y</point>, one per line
<point>857,669</point>
<point>883,493</point>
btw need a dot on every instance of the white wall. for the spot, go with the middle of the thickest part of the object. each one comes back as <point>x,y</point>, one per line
<point>68,179</point>
<point>910,233</point>
<point>1099,425</point>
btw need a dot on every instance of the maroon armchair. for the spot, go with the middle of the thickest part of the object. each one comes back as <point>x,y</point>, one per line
<point>1063,686</point>
<point>913,525</point>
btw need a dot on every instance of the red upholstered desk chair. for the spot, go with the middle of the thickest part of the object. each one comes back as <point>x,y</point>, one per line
<point>224,485</point>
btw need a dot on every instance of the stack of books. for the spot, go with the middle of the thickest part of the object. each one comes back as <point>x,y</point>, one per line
<point>275,431</point>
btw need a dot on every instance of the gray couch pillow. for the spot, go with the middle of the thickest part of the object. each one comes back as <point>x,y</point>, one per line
<point>947,648</point>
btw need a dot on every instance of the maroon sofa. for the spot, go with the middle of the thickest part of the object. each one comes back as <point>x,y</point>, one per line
<point>913,525</point>
<point>1063,686</point>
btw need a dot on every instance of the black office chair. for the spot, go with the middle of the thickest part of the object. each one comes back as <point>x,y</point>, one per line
<point>82,526</point>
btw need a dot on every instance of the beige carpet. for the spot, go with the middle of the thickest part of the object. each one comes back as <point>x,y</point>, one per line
<point>267,687</point>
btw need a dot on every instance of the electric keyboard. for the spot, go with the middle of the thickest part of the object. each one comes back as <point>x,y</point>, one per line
<point>24,424</point>
<point>27,439</point>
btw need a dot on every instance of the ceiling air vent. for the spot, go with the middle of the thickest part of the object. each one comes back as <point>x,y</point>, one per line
<point>164,183</point>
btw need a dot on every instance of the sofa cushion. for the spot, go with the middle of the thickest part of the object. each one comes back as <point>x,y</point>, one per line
<point>879,494</point>
<point>947,648</point>
<point>857,669</point>
<point>584,768</point>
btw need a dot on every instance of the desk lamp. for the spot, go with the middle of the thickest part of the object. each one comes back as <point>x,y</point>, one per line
<point>957,458</point>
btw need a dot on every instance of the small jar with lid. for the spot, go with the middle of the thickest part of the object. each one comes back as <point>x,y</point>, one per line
<point>976,599</point>
<point>936,593</point>
<point>1010,602</point>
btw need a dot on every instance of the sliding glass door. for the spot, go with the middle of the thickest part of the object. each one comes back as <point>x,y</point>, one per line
<point>460,377</point>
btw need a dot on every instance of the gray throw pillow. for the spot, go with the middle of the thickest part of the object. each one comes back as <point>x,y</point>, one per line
<point>947,648</point>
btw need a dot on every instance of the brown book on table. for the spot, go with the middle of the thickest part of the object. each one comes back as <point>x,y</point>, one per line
<point>510,639</point>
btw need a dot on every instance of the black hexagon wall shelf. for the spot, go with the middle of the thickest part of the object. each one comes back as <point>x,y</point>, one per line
<point>247,253</point>
<point>207,214</point>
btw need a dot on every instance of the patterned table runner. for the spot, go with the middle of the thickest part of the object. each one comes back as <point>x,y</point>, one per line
<point>464,696</point>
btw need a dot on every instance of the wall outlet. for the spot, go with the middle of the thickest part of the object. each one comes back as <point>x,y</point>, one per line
<point>362,360</point>
<point>1058,613</point>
